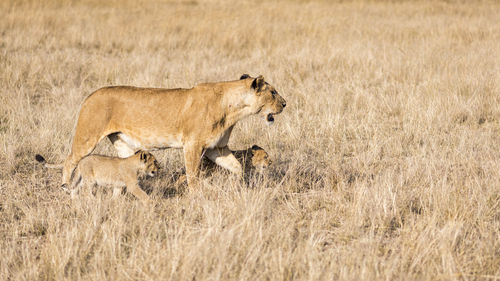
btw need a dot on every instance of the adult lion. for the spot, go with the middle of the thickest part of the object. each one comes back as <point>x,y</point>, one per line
<point>199,120</point>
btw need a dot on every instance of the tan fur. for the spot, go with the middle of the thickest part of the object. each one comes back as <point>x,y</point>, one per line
<point>260,158</point>
<point>199,120</point>
<point>40,159</point>
<point>254,158</point>
<point>116,172</point>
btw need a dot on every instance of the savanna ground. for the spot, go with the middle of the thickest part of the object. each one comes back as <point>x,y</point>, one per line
<point>386,159</point>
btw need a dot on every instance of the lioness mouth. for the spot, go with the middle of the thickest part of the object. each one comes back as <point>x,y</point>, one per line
<point>270,118</point>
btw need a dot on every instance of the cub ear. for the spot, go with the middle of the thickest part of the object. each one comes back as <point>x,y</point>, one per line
<point>143,156</point>
<point>258,83</point>
<point>256,147</point>
<point>244,76</point>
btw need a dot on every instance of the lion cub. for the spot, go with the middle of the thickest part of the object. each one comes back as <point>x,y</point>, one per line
<point>254,158</point>
<point>117,172</point>
<point>260,158</point>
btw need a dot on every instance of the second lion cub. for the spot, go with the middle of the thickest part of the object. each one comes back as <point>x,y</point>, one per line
<point>116,172</point>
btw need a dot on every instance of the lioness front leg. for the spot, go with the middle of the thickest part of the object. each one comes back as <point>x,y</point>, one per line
<point>225,158</point>
<point>192,160</point>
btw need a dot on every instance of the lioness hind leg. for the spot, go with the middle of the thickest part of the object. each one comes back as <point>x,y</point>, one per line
<point>79,150</point>
<point>68,167</point>
<point>90,129</point>
<point>121,146</point>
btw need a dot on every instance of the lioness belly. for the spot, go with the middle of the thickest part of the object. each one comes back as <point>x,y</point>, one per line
<point>151,142</point>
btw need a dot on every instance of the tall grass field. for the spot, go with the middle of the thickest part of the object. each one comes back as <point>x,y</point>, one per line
<point>386,160</point>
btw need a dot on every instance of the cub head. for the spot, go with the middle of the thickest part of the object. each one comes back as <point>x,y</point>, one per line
<point>265,100</point>
<point>260,158</point>
<point>150,165</point>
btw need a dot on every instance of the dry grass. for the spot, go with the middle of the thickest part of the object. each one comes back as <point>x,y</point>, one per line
<point>387,161</point>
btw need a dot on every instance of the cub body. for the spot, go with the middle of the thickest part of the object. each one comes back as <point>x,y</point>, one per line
<point>115,172</point>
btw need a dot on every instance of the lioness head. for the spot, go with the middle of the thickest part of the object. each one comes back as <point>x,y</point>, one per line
<point>150,165</point>
<point>266,101</point>
<point>260,158</point>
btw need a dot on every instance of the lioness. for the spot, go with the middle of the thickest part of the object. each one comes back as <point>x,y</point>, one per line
<point>200,120</point>
<point>116,172</point>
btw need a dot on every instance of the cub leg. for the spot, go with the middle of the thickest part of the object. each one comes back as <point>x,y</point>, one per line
<point>83,184</point>
<point>76,183</point>
<point>133,187</point>
<point>117,191</point>
<point>74,193</point>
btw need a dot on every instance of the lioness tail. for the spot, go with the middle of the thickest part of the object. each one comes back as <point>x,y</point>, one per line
<point>40,159</point>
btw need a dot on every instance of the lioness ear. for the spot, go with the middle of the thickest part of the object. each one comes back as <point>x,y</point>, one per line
<point>143,156</point>
<point>244,76</point>
<point>258,83</point>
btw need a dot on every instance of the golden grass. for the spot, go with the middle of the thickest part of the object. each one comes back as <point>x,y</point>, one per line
<point>386,159</point>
